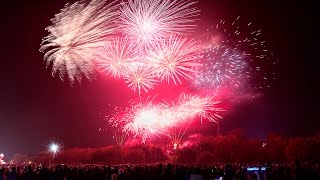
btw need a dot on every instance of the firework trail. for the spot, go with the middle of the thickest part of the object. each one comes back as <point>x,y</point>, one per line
<point>74,35</point>
<point>176,137</point>
<point>120,138</point>
<point>148,21</point>
<point>174,57</point>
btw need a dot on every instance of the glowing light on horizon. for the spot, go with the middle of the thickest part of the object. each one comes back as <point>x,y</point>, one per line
<point>54,148</point>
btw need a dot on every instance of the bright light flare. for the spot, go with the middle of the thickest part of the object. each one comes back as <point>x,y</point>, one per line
<point>54,148</point>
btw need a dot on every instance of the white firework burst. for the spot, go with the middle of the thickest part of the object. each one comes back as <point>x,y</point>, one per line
<point>149,20</point>
<point>75,34</point>
<point>173,58</point>
<point>118,57</point>
<point>144,122</point>
<point>204,107</point>
<point>140,78</point>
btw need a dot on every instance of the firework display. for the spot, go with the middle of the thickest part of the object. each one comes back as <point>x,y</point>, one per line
<point>146,43</point>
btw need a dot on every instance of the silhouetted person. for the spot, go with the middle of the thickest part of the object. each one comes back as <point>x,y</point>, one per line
<point>168,173</point>
<point>253,176</point>
<point>261,174</point>
<point>229,172</point>
<point>299,171</point>
<point>29,174</point>
<point>1,173</point>
<point>241,174</point>
<point>268,171</point>
<point>13,174</point>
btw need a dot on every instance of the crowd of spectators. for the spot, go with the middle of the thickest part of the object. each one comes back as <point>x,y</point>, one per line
<point>159,171</point>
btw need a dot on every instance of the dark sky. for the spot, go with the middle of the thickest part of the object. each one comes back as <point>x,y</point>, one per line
<point>35,107</point>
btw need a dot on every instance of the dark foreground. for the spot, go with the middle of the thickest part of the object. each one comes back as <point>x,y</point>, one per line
<point>160,171</point>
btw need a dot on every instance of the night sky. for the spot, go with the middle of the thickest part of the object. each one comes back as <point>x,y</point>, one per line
<point>36,107</point>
